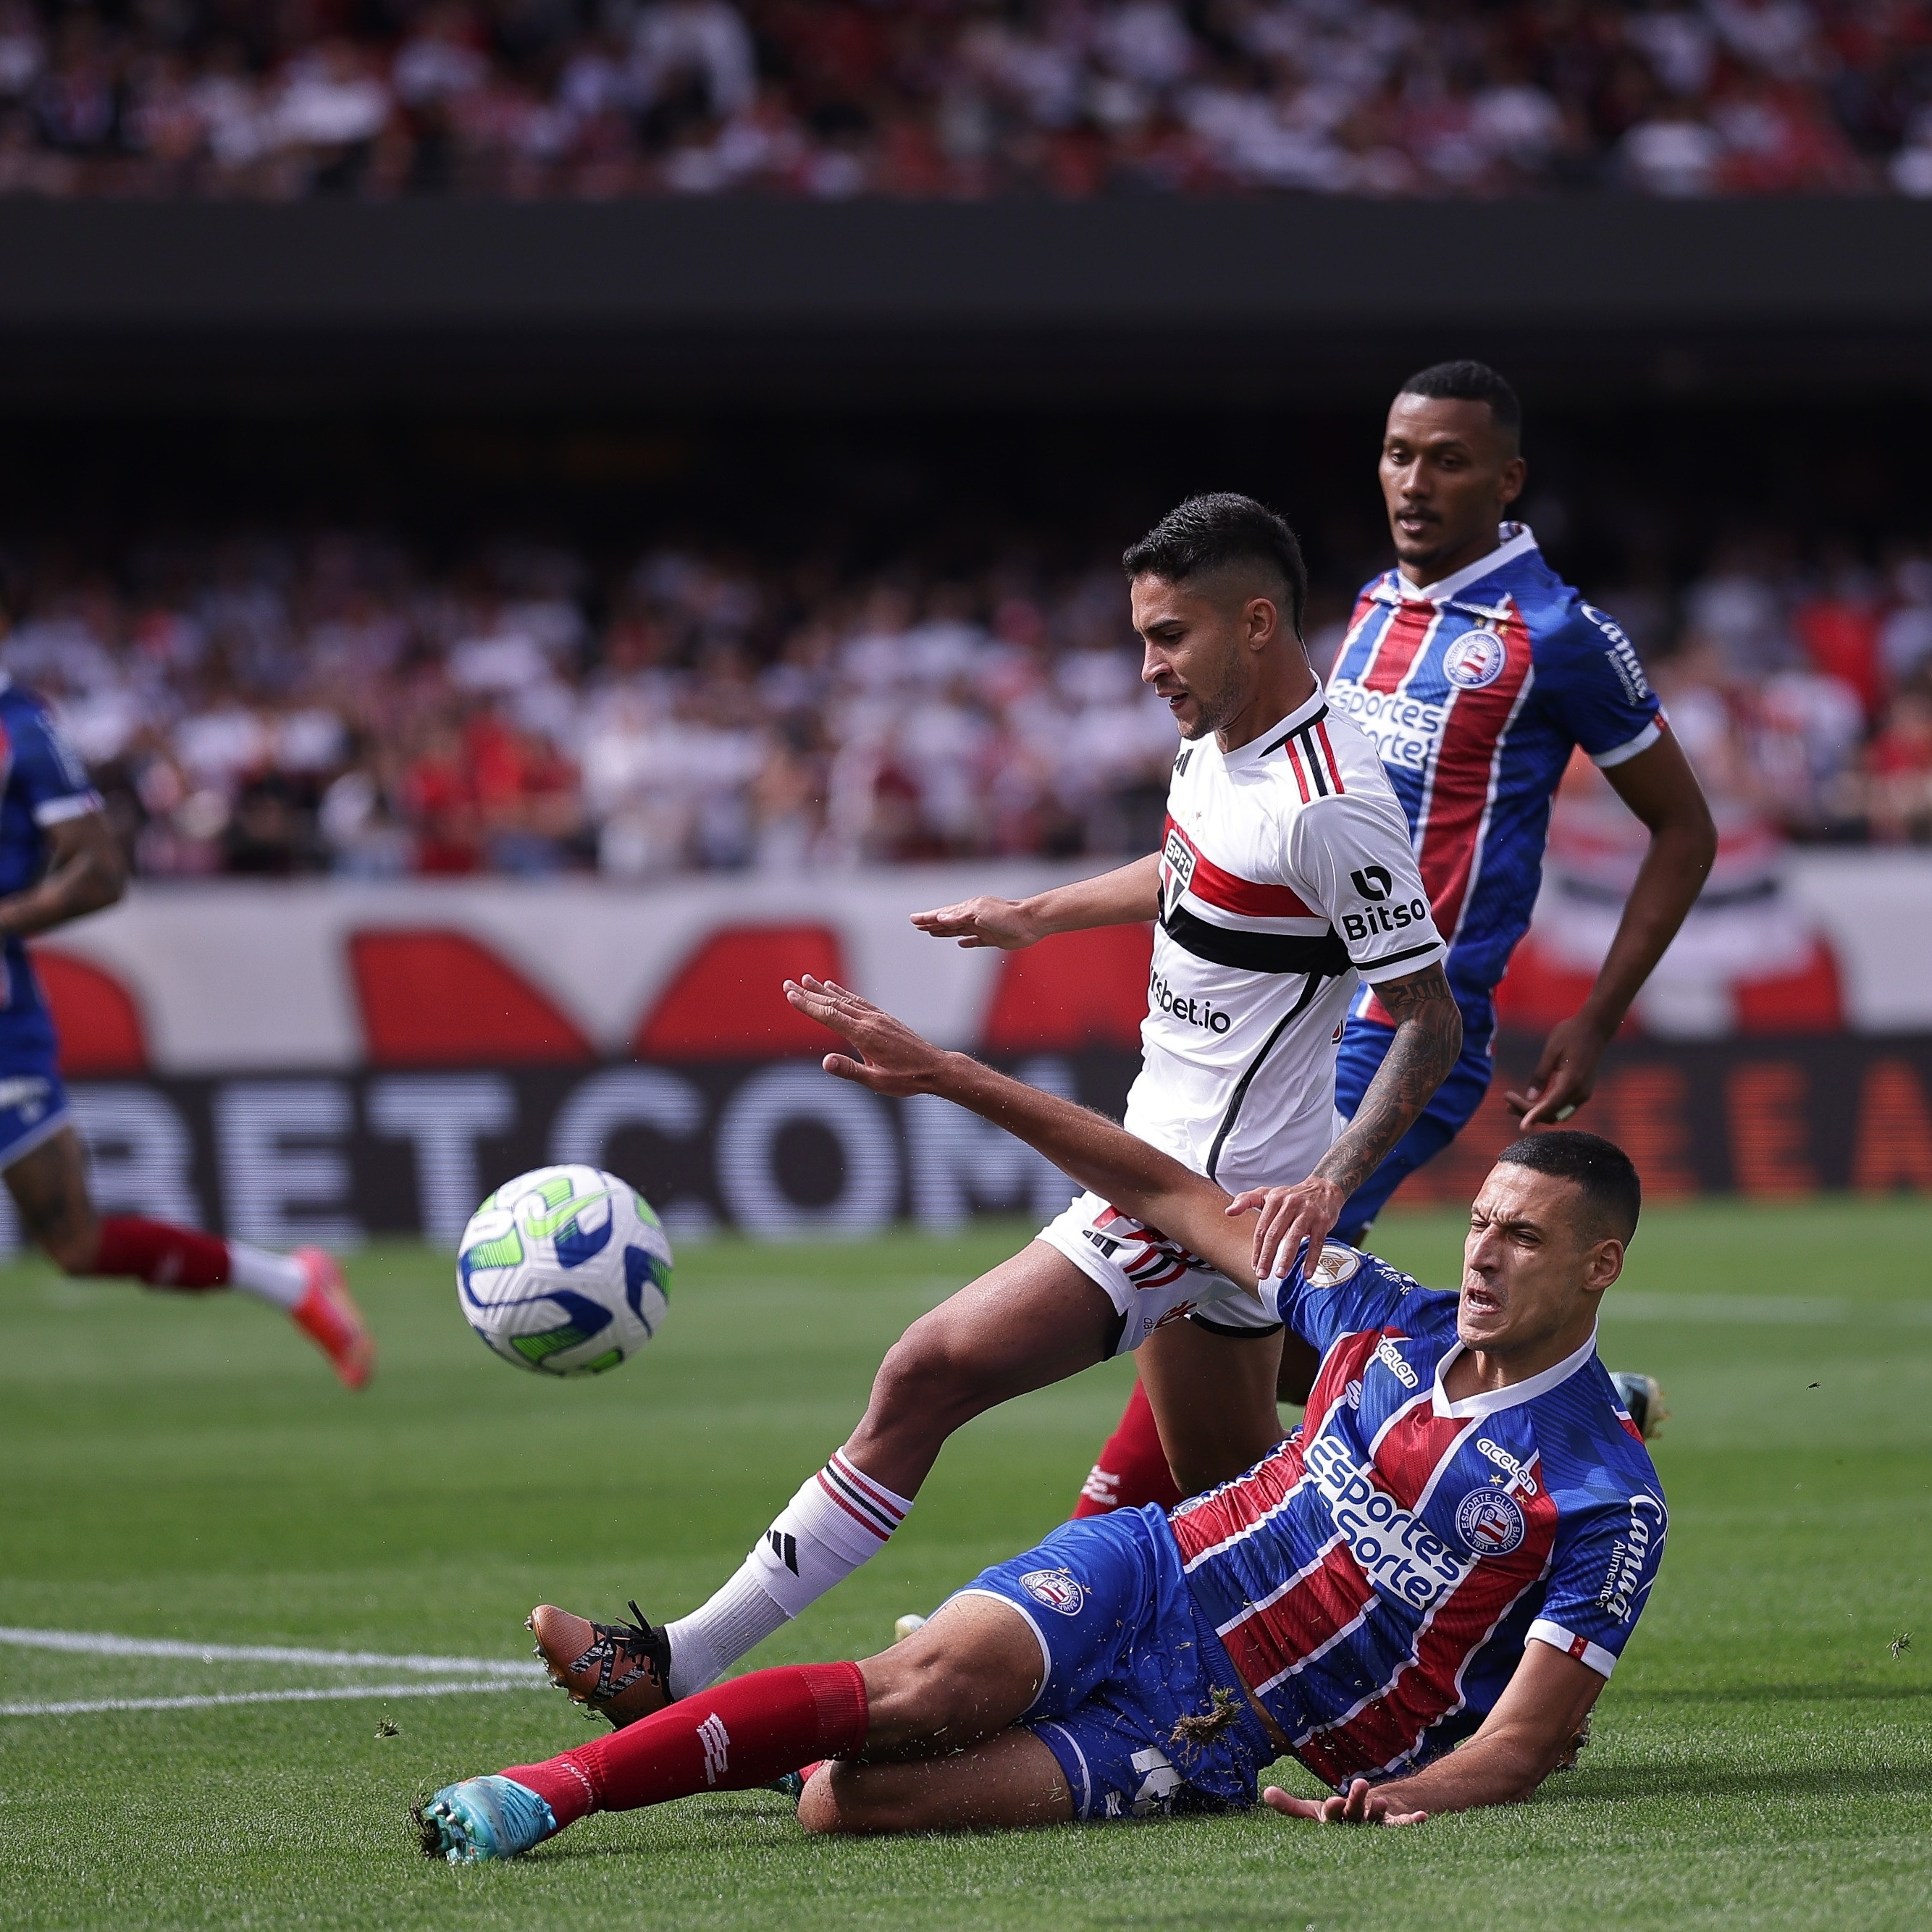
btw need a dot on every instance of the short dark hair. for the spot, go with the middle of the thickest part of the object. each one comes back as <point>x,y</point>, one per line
<point>1599,1167</point>
<point>1467,382</point>
<point>1206,533</point>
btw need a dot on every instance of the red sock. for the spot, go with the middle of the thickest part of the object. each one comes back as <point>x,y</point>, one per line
<point>1132,1469</point>
<point>733,1737</point>
<point>160,1254</point>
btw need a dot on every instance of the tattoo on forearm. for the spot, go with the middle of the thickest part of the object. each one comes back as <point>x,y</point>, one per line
<point>1428,1038</point>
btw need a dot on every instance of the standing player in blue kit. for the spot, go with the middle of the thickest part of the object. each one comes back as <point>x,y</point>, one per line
<point>59,862</point>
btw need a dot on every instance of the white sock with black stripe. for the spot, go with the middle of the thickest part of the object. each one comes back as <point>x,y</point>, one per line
<point>838,1519</point>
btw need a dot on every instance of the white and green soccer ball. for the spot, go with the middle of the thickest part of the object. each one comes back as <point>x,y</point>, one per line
<point>565,1270</point>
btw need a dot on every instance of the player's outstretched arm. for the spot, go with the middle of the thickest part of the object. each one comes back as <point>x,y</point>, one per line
<point>1117,897</point>
<point>1428,1038</point>
<point>85,872</point>
<point>1659,787</point>
<point>1533,1729</point>
<point>893,1059</point>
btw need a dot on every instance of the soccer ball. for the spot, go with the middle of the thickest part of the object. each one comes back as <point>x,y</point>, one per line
<point>565,1270</point>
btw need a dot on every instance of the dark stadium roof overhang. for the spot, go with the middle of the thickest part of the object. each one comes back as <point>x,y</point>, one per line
<point>466,304</point>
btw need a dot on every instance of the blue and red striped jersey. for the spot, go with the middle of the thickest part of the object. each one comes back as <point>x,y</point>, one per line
<point>1376,1578</point>
<point>1475,692</point>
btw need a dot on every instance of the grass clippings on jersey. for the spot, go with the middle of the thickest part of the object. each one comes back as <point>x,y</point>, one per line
<point>184,1468</point>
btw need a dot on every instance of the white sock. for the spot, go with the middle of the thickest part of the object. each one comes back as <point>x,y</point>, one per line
<point>276,1278</point>
<point>836,1522</point>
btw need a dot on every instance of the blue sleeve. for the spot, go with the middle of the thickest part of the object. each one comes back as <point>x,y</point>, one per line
<point>1591,682</point>
<point>1600,1577</point>
<point>1350,1291</point>
<point>47,769</point>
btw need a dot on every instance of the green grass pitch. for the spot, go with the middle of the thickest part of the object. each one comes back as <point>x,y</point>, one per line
<point>182,1468</point>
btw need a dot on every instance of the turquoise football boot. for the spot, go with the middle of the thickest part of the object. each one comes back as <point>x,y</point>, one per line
<point>482,1818</point>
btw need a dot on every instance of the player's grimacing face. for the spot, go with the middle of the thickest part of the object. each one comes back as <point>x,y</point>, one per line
<point>1196,653</point>
<point>1448,476</point>
<point>1534,1261</point>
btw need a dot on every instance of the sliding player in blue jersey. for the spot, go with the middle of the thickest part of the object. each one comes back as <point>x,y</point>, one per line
<point>58,863</point>
<point>1420,1594</point>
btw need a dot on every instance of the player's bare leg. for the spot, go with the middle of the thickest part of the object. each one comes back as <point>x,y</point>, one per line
<point>49,1188</point>
<point>1031,1321</point>
<point>1213,1400</point>
<point>1006,1782</point>
<point>939,1755</point>
<point>1133,1468</point>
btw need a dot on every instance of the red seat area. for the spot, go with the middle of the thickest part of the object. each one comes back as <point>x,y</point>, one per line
<point>1076,989</point>
<point>727,1001</point>
<point>98,1022</point>
<point>430,997</point>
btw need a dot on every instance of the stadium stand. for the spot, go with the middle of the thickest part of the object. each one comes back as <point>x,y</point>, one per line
<point>332,702</point>
<point>963,98</point>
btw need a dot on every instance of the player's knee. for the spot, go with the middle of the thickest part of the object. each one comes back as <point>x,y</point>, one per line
<point>842,1797</point>
<point>71,1246</point>
<point>927,1381</point>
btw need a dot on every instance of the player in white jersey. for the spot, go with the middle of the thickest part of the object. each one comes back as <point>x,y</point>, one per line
<point>1286,878</point>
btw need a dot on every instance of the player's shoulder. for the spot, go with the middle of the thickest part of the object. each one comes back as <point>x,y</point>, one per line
<point>1326,765</point>
<point>1367,1279</point>
<point>1590,1450</point>
<point>1564,624</point>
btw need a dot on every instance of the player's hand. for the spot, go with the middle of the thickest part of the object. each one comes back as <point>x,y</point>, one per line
<point>1287,1217</point>
<point>983,921</point>
<point>1565,1076</point>
<point>893,1059</point>
<point>1363,1805</point>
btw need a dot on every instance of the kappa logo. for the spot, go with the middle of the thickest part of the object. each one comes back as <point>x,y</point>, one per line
<point>1475,659</point>
<point>1491,1522</point>
<point>717,1742</point>
<point>1058,1589</point>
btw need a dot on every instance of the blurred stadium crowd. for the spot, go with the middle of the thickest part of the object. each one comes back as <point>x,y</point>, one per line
<point>280,99</point>
<point>274,707</point>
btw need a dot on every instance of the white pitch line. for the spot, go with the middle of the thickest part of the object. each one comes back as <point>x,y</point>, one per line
<point>334,1694</point>
<point>101,1643</point>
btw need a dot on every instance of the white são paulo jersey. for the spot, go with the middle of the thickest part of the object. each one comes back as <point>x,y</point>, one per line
<point>1287,876</point>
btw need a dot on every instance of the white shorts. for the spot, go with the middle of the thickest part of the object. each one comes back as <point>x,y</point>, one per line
<point>1151,1280</point>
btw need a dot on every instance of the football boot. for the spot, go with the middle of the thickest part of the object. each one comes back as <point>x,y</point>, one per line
<point>1641,1396</point>
<point>327,1316</point>
<point>482,1818</point>
<point>619,1672</point>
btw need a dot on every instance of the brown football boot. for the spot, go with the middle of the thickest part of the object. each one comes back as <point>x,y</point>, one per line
<point>619,1672</point>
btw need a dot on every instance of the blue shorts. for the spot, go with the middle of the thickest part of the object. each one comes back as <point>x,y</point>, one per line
<point>33,1108</point>
<point>1128,1659</point>
<point>1365,1042</point>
